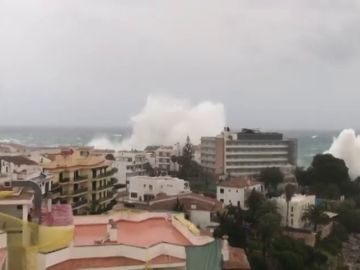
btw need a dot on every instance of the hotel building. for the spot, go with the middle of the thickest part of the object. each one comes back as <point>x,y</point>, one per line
<point>247,152</point>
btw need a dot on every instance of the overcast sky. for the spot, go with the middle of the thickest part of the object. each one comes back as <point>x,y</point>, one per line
<point>273,64</point>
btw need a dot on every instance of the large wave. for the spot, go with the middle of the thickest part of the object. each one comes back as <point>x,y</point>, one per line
<point>347,147</point>
<point>167,120</point>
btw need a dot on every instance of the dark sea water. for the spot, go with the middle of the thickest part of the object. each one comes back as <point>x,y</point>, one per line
<point>310,142</point>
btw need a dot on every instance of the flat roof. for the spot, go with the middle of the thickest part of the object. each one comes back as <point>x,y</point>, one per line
<point>144,233</point>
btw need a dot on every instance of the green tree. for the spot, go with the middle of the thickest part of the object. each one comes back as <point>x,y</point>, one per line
<point>315,215</point>
<point>271,177</point>
<point>231,224</point>
<point>254,202</point>
<point>268,227</point>
<point>266,207</point>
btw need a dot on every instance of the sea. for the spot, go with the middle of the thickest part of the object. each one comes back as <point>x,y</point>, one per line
<point>310,142</point>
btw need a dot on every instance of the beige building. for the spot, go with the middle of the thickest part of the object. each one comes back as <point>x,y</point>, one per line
<point>84,180</point>
<point>247,152</point>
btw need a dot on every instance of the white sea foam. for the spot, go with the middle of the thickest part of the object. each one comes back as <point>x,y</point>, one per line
<point>347,147</point>
<point>166,121</point>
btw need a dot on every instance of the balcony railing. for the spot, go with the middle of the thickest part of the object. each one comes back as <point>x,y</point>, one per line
<point>107,198</point>
<point>106,174</point>
<point>80,178</point>
<point>104,187</point>
<point>80,190</point>
<point>65,180</point>
<point>79,203</point>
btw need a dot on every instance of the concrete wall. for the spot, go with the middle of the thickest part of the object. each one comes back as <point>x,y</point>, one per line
<point>297,207</point>
<point>233,196</point>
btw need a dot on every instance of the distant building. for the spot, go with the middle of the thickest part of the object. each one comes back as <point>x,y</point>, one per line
<point>146,188</point>
<point>247,152</point>
<point>83,180</point>
<point>297,206</point>
<point>21,168</point>
<point>236,191</point>
<point>160,158</point>
<point>129,164</point>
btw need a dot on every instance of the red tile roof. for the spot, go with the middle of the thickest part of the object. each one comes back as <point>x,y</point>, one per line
<point>239,183</point>
<point>18,160</point>
<point>188,200</point>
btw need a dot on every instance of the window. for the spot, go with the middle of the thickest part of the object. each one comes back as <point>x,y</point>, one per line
<point>292,208</point>
<point>238,204</point>
<point>150,187</point>
<point>144,185</point>
<point>221,190</point>
<point>133,195</point>
<point>222,200</point>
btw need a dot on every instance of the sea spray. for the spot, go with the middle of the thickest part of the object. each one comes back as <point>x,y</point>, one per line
<point>166,121</point>
<point>347,147</point>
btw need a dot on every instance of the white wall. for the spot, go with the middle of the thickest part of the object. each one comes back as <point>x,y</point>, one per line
<point>141,185</point>
<point>233,196</point>
<point>297,206</point>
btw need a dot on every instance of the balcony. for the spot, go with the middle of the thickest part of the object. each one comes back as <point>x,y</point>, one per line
<point>80,178</point>
<point>64,180</point>
<point>109,197</point>
<point>102,188</point>
<point>79,204</point>
<point>79,192</point>
<point>106,174</point>
<point>55,188</point>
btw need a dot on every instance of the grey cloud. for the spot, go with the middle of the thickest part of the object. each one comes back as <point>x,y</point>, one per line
<point>272,63</point>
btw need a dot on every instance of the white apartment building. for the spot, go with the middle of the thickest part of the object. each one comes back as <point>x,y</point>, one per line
<point>129,164</point>
<point>160,158</point>
<point>297,206</point>
<point>235,192</point>
<point>145,188</point>
<point>17,168</point>
<point>247,152</point>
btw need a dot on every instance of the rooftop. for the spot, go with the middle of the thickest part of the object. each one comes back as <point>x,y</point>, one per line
<point>239,183</point>
<point>188,200</point>
<point>145,233</point>
<point>18,160</point>
<point>70,158</point>
<point>113,262</point>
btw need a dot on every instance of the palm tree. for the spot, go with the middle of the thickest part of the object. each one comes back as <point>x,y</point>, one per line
<point>289,193</point>
<point>315,215</point>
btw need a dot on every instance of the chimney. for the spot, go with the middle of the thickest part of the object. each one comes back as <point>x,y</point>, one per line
<point>225,249</point>
<point>112,231</point>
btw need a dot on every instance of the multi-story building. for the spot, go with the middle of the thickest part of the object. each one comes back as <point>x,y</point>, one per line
<point>85,181</point>
<point>236,191</point>
<point>129,164</point>
<point>247,152</point>
<point>161,158</point>
<point>292,216</point>
<point>146,188</point>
